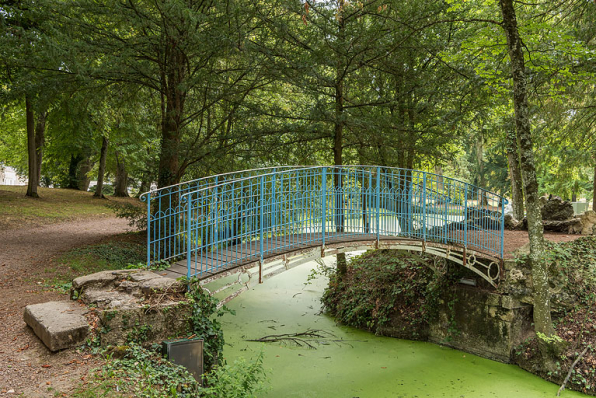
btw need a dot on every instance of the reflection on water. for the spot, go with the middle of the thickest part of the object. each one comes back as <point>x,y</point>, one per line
<point>363,365</point>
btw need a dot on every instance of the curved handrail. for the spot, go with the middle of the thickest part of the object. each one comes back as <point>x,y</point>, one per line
<point>145,195</point>
<point>258,214</point>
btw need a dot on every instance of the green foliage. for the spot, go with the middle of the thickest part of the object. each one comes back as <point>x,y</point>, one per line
<point>571,268</point>
<point>383,284</point>
<point>135,214</point>
<point>136,371</point>
<point>139,334</point>
<point>204,324</point>
<point>143,373</point>
<point>242,379</point>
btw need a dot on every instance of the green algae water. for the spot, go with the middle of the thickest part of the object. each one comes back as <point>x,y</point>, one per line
<point>357,363</point>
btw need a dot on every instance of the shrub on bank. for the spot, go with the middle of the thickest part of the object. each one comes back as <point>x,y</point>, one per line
<point>383,286</point>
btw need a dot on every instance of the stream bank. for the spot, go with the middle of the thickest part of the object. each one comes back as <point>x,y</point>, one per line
<point>360,364</point>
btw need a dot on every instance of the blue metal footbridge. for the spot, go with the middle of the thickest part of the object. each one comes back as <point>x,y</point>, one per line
<point>293,214</point>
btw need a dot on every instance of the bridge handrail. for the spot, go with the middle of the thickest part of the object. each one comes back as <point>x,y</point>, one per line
<point>426,192</point>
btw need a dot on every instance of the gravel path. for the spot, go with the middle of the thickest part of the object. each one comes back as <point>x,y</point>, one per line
<point>26,366</point>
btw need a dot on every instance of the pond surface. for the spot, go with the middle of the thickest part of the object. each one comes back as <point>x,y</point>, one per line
<point>360,364</point>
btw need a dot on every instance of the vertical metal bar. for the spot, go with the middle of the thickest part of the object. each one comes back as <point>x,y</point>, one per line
<point>502,225</point>
<point>378,194</point>
<point>274,205</point>
<point>424,205</point>
<point>262,216</point>
<point>149,229</point>
<point>188,233</point>
<point>446,217</point>
<point>324,201</point>
<point>466,216</point>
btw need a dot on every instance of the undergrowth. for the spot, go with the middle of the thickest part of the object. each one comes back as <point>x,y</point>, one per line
<point>385,284</point>
<point>144,373</point>
<point>572,267</point>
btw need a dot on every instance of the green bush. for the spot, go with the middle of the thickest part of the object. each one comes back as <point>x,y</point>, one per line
<point>137,371</point>
<point>135,214</point>
<point>382,284</point>
<point>204,324</point>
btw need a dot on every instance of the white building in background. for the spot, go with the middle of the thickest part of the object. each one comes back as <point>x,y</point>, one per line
<point>8,176</point>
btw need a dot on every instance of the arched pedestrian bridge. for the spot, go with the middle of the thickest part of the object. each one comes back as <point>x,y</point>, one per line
<point>296,214</point>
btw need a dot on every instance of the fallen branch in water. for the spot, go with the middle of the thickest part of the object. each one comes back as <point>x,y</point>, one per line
<point>571,370</point>
<point>302,339</point>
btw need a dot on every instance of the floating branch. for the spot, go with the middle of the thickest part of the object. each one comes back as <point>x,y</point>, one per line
<point>307,338</point>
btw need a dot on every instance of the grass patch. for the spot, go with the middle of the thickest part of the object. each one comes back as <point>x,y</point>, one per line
<point>54,205</point>
<point>118,252</point>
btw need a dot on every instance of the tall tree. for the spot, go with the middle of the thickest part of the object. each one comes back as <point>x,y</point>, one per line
<point>542,310</point>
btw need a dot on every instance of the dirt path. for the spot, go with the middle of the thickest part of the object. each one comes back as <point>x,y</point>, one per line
<point>26,366</point>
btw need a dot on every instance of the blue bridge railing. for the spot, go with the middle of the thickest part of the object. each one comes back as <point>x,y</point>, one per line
<point>226,220</point>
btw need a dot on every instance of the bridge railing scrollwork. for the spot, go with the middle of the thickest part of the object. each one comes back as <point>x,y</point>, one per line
<point>229,220</point>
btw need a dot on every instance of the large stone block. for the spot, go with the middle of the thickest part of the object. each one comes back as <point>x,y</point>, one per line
<point>59,324</point>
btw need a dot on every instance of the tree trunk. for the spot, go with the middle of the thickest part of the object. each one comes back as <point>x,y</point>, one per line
<point>542,316</point>
<point>145,184</point>
<point>594,192</point>
<point>102,168</point>
<point>31,151</point>
<point>517,193</point>
<point>483,200</point>
<point>173,99</point>
<point>40,130</point>
<point>121,188</point>
<point>83,169</point>
<point>342,267</point>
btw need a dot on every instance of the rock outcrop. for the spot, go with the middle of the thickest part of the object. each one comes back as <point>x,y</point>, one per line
<point>113,307</point>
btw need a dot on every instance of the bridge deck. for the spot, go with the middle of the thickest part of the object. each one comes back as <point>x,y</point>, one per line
<point>245,253</point>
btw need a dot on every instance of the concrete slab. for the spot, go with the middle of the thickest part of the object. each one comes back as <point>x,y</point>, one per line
<point>59,324</point>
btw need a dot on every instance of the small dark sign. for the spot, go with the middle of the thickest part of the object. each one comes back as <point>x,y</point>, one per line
<point>187,353</point>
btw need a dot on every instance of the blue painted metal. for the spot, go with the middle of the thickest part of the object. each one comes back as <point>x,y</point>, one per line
<point>233,218</point>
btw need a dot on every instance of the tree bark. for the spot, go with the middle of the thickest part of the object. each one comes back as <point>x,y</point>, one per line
<point>83,169</point>
<point>542,316</point>
<point>121,188</point>
<point>102,168</point>
<point>517,193</point>
<point>40,130</point>
<point>173,98</point>
<point>33,181</point>
<point>342,266</point>
<point>594,192</point>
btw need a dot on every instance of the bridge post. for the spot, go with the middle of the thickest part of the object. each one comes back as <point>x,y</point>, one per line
<point>324,202</point>
<point>445,217</point>
<point>273,202</point>
<point>261,229</point>
<point>188,233</point>
<point>149,229</point>
<point>502,228</point>
<point>466,217</point>
<point>424,206</point>
<point>378,193</point>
